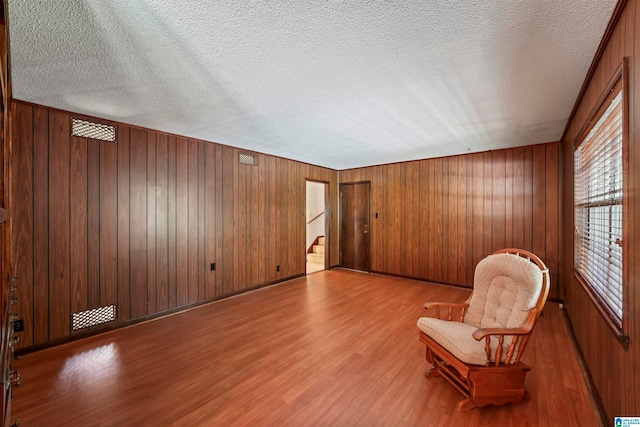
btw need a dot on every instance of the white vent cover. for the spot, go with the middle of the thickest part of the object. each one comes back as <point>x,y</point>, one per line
<point>91,130</point>
<point>248,159</point>
<point>95,316</point>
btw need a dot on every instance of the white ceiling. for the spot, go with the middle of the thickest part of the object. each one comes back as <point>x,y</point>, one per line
<point>334,83</point>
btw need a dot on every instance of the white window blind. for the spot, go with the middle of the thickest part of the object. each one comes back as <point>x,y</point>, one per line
<point>598,208</point>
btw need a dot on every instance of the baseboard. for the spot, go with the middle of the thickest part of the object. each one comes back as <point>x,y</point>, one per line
<point>108,327</point>
<point>591,387</point>
<point>422,279</point>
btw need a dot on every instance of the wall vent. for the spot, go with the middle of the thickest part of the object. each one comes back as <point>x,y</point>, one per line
<point>91,130</point>
<point>95,316</point>
<point>248,159</point>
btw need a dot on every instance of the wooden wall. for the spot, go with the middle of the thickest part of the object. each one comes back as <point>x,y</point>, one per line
<point>138,223</point>
<point>439,217</point>
<point>615,372</point>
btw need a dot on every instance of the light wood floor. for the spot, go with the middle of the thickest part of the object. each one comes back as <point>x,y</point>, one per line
<point>335,348</point>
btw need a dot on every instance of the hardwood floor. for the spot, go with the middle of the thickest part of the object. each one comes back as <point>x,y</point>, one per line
<point>336,348</point>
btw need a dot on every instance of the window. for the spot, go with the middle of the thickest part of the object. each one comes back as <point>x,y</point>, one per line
<point>599,207</point>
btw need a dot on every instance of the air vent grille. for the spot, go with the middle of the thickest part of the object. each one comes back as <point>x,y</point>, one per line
<point>248,159</point>
<point>91,130</point>
<point>96,316</point>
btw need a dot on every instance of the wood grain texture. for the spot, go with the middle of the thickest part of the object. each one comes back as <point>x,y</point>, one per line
<point>124,263</point>
<point>182,221</point>
<point>138,223</point>
<point>79,225</point>
<point>172,220</point>
<point>320,355</point>
<point>93,223</point>
<point>615,372</point>
<point>138,282</point>
<point>192,221</point>
<point>151,227</point>
<point>468,206</point>
<point>40,234</point>
<point>162,224</point>
<point>59,230</point>
<point>108,211</point>
<point>23,218</point>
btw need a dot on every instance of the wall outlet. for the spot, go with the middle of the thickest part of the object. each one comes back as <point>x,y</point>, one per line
<point>277,268</point>
<point>213,266</point>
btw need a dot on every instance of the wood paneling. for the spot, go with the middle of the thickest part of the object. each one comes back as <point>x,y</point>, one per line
<point>79,229</point>
<point>182,222</point>
<point>23,222</point>
<point>615,372</point>
<point>59,226</point>
<point>438,218</point>
<point>124,231</point>
<point>93,222</point>
<point>139,223</point>
<point>172,219</point>
<point>162,225</point>
<point>40,233</point>
<point>138,272</point>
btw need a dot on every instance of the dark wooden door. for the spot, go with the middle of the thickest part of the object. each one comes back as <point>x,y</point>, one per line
<point>354,218</point>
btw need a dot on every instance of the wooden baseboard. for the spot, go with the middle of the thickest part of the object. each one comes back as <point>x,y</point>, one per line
<point>422,279</point>
<point>591,387</point>
<point>108,327</point>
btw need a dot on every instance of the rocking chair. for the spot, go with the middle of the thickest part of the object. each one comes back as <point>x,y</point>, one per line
<point>478,344</point>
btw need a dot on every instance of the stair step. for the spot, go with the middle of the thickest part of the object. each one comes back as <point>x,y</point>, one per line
<point>317,249</point>
<point>321,241</point>
<point>316,258</point>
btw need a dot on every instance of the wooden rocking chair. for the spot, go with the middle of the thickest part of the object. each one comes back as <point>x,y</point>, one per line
<point>478,344</point>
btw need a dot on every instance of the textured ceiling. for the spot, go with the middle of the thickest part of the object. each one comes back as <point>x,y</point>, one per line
<point>334,83</point>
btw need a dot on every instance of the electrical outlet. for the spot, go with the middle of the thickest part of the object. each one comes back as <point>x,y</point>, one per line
<point>213,266</point>
<point>277,268</point>
<point>18,325</point>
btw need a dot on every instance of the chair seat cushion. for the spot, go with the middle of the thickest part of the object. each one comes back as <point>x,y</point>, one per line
<point>457,338</point>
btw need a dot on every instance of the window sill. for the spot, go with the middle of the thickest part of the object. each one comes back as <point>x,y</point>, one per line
<point>619,333</point>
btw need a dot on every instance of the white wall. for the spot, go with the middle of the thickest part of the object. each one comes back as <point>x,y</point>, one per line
<point>315,205</point>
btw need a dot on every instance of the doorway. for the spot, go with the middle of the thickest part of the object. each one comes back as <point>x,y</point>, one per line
<point>317,223</point>
<point>354,226</point>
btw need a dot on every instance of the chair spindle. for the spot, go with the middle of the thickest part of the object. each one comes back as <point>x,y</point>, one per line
<point>512,348</point>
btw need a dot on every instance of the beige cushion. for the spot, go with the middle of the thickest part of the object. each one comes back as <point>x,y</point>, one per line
<point>456,338</point>
<point>505,289</point>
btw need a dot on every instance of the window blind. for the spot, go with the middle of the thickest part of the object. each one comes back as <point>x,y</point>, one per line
<point>598,207</point>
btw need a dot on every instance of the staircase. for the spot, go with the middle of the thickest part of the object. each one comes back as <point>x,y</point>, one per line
<point>316,255</point>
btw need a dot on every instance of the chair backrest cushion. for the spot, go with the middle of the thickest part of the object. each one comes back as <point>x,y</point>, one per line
<point>506,287</point>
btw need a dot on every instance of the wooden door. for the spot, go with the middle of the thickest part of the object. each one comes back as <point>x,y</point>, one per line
<point>354,226</point>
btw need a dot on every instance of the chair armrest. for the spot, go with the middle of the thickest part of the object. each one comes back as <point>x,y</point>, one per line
<point>481,333</point>
<point>517,344</point>
<point>428,305</point>
<point>449,306</point>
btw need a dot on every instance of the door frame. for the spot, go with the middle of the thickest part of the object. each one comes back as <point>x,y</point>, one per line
<point>327,221</point>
